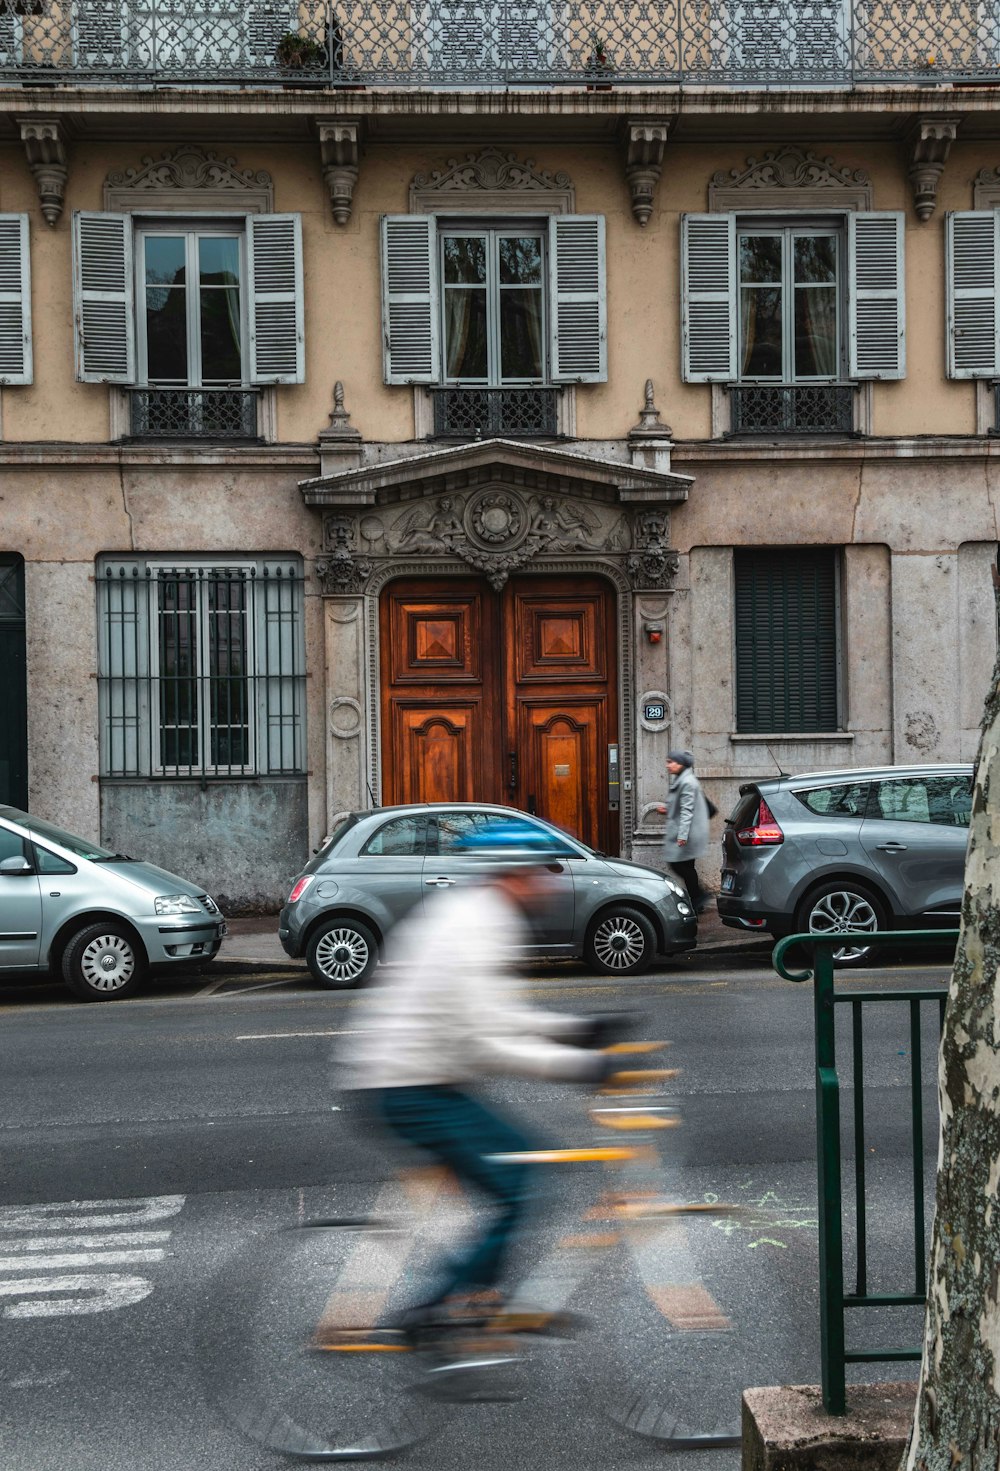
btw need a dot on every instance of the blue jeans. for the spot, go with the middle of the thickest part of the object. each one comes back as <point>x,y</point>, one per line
<point>460,1132</point>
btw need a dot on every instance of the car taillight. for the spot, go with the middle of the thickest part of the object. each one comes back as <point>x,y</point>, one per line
<point>765,831</point>
<point>300,888</point>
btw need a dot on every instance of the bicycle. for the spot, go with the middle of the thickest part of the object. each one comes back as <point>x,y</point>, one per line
<point>322,1373</point>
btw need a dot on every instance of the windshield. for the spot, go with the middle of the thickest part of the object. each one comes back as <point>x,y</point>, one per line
<point>79,847</point>
<point>344,826</point>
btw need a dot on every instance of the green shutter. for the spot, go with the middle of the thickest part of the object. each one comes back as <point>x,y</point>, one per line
<point>786,641</point>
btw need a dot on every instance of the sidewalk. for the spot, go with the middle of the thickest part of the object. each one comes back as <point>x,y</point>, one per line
<point>253,944</point>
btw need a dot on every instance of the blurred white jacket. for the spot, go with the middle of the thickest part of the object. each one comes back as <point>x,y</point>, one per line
<point>444,1011</point>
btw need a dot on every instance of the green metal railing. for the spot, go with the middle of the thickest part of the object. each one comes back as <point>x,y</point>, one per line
<point>834,1302</point>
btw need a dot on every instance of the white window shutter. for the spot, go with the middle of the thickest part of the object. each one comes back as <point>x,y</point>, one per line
<point>15,300</point>
<point>578,299</point>
<point>876,292</point>
<point>972,257</point>
<point>410,314</point>
<point>103,297</point>
<point>708,298</point>
<point>274,266</point>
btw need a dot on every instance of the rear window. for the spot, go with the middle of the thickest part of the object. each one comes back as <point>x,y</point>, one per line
<point>840,799</point>
<point>333,841</point>
<point>403,837</point>
<point>745,811</point>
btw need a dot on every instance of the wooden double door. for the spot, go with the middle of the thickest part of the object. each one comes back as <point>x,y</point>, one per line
<point>502,697</point>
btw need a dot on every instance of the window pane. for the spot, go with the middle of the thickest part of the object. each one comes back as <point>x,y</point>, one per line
<point>229,694</point>
<point>220,336</point>
<point>401,838</point>
<point>219,261</point>
<point>815,258</point>
<point>520,260</point>
<point>465,333</point>
<point>11,846</point>
<point>945,801</point>
<point>464,259</point>
<point>760,258</point>
<point>178,654</point>
<point>165,260</point>
<point>846,799</point>
<point>166,335</point>
<point>521,334</point>
<point>816,353</point>
<point>760,332</point>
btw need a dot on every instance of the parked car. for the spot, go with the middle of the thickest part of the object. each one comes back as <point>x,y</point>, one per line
<point>379,865</point>
<point>99,919</point>
<point>838,851</point>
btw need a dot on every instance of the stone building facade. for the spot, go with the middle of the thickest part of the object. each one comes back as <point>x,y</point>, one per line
<point>367,442</point>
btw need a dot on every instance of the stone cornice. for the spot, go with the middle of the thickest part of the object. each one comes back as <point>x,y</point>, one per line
<point>43,454</point>
<point>919,448</point>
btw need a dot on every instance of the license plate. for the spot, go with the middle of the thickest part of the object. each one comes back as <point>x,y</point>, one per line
<point>728,882</point>
<point>222,930</point>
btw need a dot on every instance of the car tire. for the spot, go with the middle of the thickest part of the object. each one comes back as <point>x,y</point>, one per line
<point>342,953</point>
<point>621,942</point>
<point>103,962</point>
<point>844,904</point>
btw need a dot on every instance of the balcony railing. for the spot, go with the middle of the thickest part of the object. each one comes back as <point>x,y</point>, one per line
<point>193,413</point>
<point>500,43</point>
<point>792,408</point>
<point>479,413</point>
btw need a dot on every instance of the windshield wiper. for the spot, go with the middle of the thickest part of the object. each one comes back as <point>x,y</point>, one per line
<point>112,858</point>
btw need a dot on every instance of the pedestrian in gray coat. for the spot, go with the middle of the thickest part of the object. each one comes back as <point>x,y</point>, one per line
<point>686,836</point>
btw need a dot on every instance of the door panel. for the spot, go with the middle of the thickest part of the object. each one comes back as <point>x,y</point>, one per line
<point>502,697</point>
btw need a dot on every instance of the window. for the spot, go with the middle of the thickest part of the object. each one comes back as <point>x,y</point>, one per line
<point>845,799</point>
<point>15,301</point>
<point>190,316</point>
<point>786,641</point>
<point>453,828</point>
<point>190,287</point>
<point>11,846</point>
<point>51,862</point>
<point>792,301</point>
<point>201,668</point>
<point>494,303</point>
<point>403,837</point>
<point>945,801</point>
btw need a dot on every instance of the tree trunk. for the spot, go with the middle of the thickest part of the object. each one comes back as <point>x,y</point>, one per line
<point>957,1418</point>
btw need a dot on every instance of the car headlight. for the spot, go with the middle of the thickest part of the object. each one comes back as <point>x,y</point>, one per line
<point>176,904</point>
<point>675,888</point>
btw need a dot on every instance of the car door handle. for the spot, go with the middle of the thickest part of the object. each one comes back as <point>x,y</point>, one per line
<point>891,847</point>
<point>440,883</point>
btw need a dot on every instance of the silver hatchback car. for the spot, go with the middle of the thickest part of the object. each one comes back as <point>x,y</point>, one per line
<point>855,850</point>
<point>379,865</point>
<point>98,918</point>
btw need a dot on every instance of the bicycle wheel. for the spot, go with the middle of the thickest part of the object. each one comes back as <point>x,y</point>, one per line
<point>290,1354</point>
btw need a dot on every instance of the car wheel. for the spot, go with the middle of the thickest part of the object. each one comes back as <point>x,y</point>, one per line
<point>103,963</point>
<point>342,953</point>
<point>622,942</point>
<point>839,908</point>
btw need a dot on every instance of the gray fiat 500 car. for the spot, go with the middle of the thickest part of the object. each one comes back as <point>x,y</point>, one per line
<point>837,851</point>
<point>379,865</point>
<point>99,919</point>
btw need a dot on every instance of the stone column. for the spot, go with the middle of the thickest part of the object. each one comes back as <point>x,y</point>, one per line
<point>346,722</point>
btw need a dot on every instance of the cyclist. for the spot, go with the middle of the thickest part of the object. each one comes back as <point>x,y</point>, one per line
<point>445,1014</point>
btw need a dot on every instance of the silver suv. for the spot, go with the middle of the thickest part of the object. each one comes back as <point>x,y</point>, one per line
<point>378,865</point>
<point>838,851</point>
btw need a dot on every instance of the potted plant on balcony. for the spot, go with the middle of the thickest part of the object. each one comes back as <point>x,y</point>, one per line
<point>599,64</point>
<point>299,53</point>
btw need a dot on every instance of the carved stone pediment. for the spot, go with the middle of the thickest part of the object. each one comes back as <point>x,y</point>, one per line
<point>190,175</point>
<point>786,177</point>
<point>491,179</point>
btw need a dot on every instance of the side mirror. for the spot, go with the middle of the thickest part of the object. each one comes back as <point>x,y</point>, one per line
<point>15,865</point>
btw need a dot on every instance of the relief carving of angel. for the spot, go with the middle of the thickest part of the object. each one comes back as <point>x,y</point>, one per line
<point>417,533</point>
<point>562,527</point>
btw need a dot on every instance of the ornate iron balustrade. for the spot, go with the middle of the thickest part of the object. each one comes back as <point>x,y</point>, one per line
<point>193,413</point>
<point>792,408</point>
<point>479,413</point>
<point>499,43</point>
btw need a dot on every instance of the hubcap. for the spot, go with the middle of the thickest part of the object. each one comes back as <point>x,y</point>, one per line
<point>844,913</point>
<point>342,955</point>
<point>619,943</point>
<point>108,963</point>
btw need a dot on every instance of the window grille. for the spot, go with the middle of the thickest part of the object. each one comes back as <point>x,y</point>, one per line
<point>478,413</point>
<point>786,640</point>
<point>193,413</point>
<point>792,408</point>
<point>202,669</point>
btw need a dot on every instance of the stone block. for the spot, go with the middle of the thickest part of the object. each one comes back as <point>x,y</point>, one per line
<point>786,1428</point>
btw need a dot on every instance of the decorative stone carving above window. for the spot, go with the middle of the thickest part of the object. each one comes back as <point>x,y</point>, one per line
<point>790,178</point>
<point>492,181</point>
<point>190,178</point>
<point>986,189</point>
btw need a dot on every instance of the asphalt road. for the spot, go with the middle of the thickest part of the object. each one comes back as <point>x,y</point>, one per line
<point>149,1149</point>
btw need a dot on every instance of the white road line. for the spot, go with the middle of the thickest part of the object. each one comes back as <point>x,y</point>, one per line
<point>83,1215</point>
<point>104,1294</point>
<point>61,1260</point>
<point>267,1036</point>
<point>111,1238</point>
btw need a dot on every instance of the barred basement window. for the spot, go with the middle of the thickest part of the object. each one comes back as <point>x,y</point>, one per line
<point>786,641</point>
<point>202,668</point>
